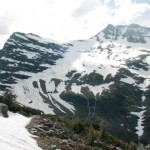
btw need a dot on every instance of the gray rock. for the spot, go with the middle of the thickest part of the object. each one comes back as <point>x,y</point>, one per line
<point>53,147</point>
<point>64,141</point>
<point>3,110</point>
<point>70,141</point>
<point>118,148</point>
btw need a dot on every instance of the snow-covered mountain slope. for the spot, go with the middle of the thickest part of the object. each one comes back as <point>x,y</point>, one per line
<point>105,78</point>
<point>14,136</point>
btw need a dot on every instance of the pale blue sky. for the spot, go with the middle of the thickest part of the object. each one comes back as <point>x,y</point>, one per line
<point>65,20</point>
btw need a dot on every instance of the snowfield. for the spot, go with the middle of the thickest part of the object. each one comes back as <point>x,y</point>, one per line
<point>14,135</point>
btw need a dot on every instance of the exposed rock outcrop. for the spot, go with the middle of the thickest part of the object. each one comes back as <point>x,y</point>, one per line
<point>3,110</point>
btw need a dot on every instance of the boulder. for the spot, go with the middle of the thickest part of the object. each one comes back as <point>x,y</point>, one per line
<point>3,110</point>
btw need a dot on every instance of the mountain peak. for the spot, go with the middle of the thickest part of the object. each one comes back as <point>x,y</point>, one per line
<point>22,36</point>
<point>132,34</point>
<point>134,25</point>
<point>109,26</point>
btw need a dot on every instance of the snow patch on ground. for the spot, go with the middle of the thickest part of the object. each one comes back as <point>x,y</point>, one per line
<point>14,135</point>
<point>95,89</point>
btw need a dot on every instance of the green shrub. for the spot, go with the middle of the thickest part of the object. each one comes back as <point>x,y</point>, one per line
<point>78,126</point>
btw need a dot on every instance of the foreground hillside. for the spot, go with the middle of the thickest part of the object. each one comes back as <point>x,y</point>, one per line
<point>105,78</point>
<point>71,133</point>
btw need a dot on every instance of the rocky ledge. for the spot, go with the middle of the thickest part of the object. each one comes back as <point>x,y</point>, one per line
<point>70,133</point>
<point>3,110</point>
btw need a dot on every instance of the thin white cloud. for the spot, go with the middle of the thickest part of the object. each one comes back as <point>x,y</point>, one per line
<point>127,10</point>
<point>86,7</point>
<point>5,22</point>
<point>64,20</point>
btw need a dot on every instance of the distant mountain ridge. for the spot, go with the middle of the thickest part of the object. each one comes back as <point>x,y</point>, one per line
<point>105,78</point>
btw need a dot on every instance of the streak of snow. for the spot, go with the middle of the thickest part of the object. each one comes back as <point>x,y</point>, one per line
<point>22,37</point>
<point>143,98</point>
<point>139,127</point>
<point>29,54</point>
<point>34,37</point>
<point>9,59</point>
<point>11,43</point>
<point>15,61</point>
<point>43,49</point>
<point>45,65</point>
<point>128,80</point>
<point>41,40</point>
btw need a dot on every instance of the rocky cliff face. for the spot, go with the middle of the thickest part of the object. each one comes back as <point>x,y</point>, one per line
<point>24,54</point>
<point>105,78</point>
